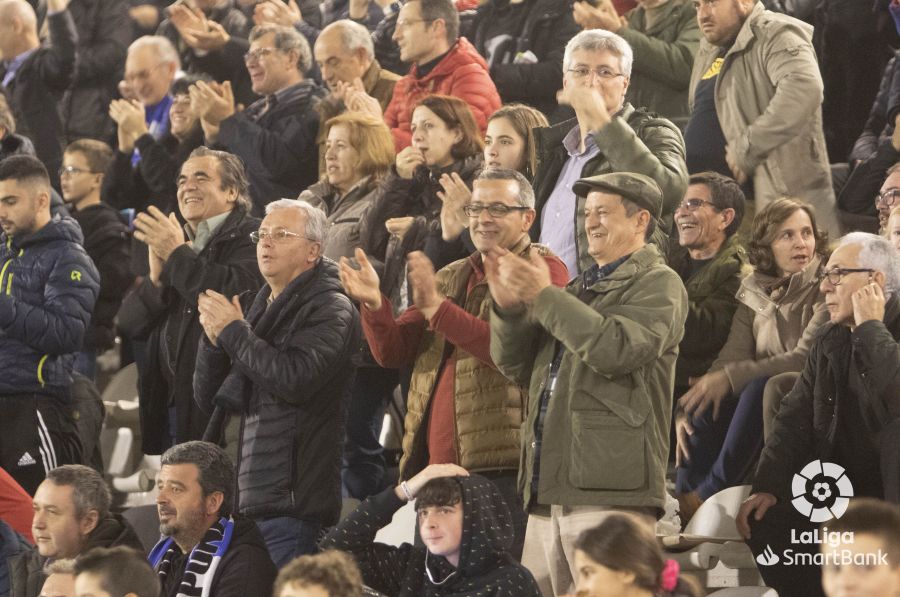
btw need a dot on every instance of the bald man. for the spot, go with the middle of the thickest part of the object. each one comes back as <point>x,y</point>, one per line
<point>35,76</point>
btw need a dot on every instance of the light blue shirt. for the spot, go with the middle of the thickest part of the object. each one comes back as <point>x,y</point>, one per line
<point>13,66</point>
<point>558,216</point>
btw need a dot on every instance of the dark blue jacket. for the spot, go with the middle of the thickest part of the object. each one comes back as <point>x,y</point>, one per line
<point>11,544</point>
<point>48,287</point>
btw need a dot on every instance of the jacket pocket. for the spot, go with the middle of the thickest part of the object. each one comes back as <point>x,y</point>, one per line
<point>606,452</point>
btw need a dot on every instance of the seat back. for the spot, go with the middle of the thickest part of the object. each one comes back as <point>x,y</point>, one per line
<point>716,516</point>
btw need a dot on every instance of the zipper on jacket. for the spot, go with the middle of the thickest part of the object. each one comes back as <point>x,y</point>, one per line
<point>40,369</point>
<point>5,267</point>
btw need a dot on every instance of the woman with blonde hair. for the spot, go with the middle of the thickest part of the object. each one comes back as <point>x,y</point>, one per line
<point>719,426</point>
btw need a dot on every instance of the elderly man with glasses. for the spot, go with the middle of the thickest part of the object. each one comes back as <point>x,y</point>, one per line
<point>286,369</point>
<point>607,134</point>
<point>276,135</point>
<point>461,409</point>
<point>840,425</point>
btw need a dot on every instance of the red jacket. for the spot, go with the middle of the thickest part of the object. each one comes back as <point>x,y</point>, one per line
<point>462,73</point>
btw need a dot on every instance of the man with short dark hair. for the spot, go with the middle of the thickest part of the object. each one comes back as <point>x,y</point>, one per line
<point>205,549</point>
<point>114,572</point>
<point>442,62</point>
<point>599,359</point>
<point>212,251</point>
<point>285,370</point>
<point>48,287</point>
<point>71,516</point>
<point>106,240</point>
<point>276,135</point>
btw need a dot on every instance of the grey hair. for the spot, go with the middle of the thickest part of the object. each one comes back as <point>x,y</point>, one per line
<point>353,36</point>
<point>63,566</point>
<point>526,192</point>
<point>160,45</point>
<point>600,39</point>
<point>215,469</point>
<point>316,221</point>
<point>877,253</point>
<point>89,490</point>
<point>286,39</point>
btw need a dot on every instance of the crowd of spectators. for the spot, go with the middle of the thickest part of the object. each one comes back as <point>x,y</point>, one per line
<point>605,255</point>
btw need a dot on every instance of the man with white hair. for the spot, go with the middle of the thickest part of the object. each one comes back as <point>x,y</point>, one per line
<point>844,410</point>
<point>286,368</point>
<point>345,55</point>
<point>35,76</point>
<point>607,135</point>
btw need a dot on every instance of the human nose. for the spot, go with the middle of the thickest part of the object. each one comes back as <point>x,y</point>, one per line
<point>38,521</point>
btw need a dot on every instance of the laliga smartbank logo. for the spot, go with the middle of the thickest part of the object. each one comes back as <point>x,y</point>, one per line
<point>821,491</point>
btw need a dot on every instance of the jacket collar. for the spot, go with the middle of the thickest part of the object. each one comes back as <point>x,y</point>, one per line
<point>753,294</point>
<point>371,77</point>
<point>461,52</point>
<point>642,259</point>
<point>748,31</point>
<point>551,138</point>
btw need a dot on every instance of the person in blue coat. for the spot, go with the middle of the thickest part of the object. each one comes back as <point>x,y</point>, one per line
<point>48,287</point>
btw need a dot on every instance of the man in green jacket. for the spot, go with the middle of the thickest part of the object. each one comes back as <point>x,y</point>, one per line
<point>599,360</point>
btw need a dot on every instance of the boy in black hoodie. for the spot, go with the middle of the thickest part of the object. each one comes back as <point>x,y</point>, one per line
<point>465,526</point>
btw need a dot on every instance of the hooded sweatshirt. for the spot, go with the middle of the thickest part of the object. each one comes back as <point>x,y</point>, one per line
<point>486,569</point>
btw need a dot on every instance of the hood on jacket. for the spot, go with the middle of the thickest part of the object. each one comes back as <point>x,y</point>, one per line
<point>111,532</point>
<point>62,228</point>
<point>487,535</point>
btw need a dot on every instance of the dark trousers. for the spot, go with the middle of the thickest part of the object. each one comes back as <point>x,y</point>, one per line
<point>363,465</point>
<point>37,434</point>
<point>724,450</point>
<point>773,532</point>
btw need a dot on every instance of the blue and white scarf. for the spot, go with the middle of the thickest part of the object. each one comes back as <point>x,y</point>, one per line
<point>202,563</point>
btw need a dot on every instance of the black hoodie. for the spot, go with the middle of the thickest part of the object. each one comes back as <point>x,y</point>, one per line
<point>485,567</point>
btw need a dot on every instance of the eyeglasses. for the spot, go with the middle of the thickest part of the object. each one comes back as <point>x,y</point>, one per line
<point>401,23</point>
<point>496,210</point>
<point>604,72</point>
<point>835,274</point>
<point>278,235</point>
<point>72,170</point>
<point>695,204</point>
<point>888,198</point>
<point>254,56</point>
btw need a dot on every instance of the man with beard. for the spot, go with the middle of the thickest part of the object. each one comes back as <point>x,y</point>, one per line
<point>204,547</point>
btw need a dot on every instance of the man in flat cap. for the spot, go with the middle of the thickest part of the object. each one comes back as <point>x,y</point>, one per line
<point>599,359</point>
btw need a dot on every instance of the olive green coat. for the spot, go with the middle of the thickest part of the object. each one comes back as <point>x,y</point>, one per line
<point>606,430</point>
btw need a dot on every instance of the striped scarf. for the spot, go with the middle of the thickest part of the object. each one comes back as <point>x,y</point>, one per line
<point>202,563</point>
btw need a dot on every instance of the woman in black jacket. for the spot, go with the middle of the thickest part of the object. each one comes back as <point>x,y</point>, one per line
<point>445,141</point>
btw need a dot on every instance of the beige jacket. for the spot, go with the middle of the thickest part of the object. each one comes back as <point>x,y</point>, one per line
<point>769,102</point>
<point>770,337</point>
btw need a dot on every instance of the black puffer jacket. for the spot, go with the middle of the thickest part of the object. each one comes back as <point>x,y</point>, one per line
<point>486,569</point>
<point>227,265</point>
<point>104,32</point>
<point>108,243</point>
<point>48,287</point>
<point>543,28</point>
<point>288,368</point>
<point>26,570</point>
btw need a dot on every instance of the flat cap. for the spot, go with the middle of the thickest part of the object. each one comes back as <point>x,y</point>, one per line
<point>635,187</point>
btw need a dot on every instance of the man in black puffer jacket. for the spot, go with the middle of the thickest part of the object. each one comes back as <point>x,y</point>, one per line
<point>48,286</point>
<point>287,368</point>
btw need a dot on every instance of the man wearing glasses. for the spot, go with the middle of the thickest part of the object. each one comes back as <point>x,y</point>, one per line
<point>607,135</point>
<point>286,369</point>
<point>276,135</point>
<point>844,409</point>
<point>211,251</point>
<point>461,409</point>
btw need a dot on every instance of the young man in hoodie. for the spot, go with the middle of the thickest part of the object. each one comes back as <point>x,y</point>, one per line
<point>71,516</point>
<point>48,287</point>
<point>465,526</point>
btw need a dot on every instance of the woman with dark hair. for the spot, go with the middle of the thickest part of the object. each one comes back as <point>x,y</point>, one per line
<point>151,180</point>
<point>621,558</point>
<point>719,427</point>
<point>445,141</point>
<point>509,139</point>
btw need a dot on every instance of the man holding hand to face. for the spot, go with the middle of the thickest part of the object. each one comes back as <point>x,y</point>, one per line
<point>461,410</point>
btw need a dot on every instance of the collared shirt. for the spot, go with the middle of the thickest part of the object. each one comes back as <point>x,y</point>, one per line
<point>589,277</point>
<point>262,106</point>
<point>205,231</point>
<point>13,66</point>
<point>558,216</point>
